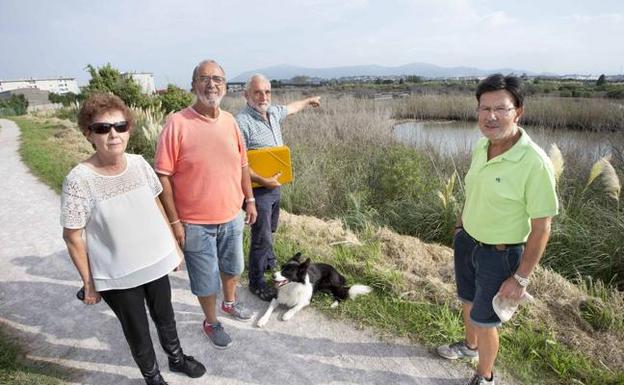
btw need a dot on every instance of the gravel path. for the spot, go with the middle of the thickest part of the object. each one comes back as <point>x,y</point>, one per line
<point>37,303</point>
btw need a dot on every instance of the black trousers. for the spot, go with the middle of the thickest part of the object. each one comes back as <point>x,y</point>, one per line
<point>129,307</point>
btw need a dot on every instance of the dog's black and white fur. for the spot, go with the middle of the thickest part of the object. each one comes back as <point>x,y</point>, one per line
<point>297,281</point>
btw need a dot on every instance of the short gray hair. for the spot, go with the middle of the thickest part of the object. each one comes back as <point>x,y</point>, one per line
<point>204,62</point>
<point>254,77</point>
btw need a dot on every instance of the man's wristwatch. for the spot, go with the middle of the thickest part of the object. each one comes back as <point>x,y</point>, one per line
<point>522,281</point>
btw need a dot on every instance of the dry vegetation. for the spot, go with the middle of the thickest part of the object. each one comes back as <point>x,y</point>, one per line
<point>427,272</point>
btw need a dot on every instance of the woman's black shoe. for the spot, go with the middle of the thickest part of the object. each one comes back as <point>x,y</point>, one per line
<point>155,380</point>
<point>187,365</point>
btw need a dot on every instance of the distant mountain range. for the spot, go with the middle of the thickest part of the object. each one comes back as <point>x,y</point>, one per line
<point>285,72</point>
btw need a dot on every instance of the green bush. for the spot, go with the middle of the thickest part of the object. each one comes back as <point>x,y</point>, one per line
<point>67,99</point>
<point>615,92</point>
<point>15,105</point>
<point>174,99</point>
<point>399,173</point>
<point>596,314</point>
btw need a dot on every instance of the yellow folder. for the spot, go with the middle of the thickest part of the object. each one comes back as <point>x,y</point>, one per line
<point>269,161</point>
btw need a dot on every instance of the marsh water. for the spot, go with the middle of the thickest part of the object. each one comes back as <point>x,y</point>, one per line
<point>455,137</point>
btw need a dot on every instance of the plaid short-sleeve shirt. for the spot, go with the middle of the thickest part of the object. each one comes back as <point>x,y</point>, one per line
<point>259,133</point>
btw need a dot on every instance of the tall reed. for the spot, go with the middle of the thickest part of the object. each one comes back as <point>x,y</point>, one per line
<point>590,114</point>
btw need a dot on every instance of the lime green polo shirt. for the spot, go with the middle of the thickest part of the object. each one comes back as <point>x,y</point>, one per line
<point>506,192</point>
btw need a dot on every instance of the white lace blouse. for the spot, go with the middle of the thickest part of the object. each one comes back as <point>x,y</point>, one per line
<point>128,241</point>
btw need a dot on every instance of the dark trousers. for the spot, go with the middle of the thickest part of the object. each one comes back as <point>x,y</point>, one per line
<point>129,307</point>
<point>261,253</point>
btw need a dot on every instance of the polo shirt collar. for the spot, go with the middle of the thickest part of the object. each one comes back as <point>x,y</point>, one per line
<point>255,114</point>
<point>516,152</point>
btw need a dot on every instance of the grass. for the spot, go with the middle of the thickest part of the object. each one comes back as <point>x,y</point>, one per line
<point>529,348</point>
<point>51,149</point>
<point>16,369</point>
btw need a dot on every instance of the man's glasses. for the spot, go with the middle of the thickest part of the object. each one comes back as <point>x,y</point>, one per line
<point>216,79</point>
<point>104,128</point>
<point>498,111</point>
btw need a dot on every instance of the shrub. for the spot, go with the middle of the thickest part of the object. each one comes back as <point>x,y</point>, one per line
<point>15,105</point>
<point>399,173</point>
<point>174,99</point>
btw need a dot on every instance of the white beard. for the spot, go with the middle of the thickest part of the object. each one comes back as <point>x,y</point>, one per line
<point>261,108</point>
<point>212,101</point>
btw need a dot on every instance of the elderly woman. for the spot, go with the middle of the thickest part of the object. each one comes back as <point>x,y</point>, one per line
<point>505,224</point>
<point>112,197</point>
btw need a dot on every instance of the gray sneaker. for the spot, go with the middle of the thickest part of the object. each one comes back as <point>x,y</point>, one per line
<point>237,311</point>
<point>478,379</point>
<point>217,336</point>
<point>457,350</point>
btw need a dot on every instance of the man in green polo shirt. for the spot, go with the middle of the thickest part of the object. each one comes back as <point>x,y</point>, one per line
<point>505,224</point>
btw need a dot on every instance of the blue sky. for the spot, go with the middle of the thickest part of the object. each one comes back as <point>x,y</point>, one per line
<point>44,38</point>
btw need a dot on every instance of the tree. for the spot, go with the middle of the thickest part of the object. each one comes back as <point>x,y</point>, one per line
<point>109,79</point>
<point>66,99</point>
<point>300,79</point>
<point>601,80</point>
<point>413,79</point>
<point>174,99</point>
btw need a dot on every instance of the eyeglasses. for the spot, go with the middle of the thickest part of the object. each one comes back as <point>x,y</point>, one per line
<point>216,79</point>
<point>104,128</point>
<point>498,111</point>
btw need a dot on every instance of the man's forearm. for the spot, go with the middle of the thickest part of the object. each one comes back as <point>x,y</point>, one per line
<point>255,178</point>
<point>246,182</point>
<point>535,246</point>
<point>296,106</point>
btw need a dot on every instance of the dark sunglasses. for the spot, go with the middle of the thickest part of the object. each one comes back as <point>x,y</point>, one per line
<point>104,128</point>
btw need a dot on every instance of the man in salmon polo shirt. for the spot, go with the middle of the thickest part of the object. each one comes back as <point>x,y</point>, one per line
<point>202,165</point>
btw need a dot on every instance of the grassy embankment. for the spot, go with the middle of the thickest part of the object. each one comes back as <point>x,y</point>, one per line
<point>348,166</point>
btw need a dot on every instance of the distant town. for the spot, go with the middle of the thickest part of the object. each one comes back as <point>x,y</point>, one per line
<point>37,91</point>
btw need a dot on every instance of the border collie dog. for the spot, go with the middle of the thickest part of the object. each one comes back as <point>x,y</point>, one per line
<point>297,281</point>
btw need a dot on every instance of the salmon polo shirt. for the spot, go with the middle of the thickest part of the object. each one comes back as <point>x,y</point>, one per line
<point>506,192</point>
<point>204,158</point>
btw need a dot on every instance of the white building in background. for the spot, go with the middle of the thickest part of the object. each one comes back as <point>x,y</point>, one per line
<point>56,85</point>
<point>144,79</point>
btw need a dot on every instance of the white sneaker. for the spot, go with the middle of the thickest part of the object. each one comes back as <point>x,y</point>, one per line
<point>457,350</point>
<point>478,379</point>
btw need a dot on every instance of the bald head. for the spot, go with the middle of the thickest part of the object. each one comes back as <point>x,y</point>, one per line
<point>204,63</point>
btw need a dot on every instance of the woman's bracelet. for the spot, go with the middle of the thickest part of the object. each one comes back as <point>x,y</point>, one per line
<point>174,222</point>
<point>459,227</point>
<point>250,200</point>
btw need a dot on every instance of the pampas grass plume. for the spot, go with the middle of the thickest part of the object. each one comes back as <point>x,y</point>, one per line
<point>557,160</point>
